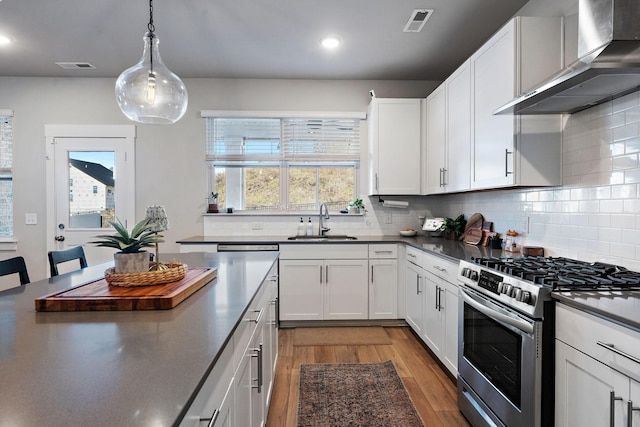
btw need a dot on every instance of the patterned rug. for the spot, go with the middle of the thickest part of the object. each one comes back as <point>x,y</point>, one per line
<point>354,394</point>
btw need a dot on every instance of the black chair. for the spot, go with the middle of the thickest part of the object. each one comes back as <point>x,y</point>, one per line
<point>58,257</point>
<point>15,265</point>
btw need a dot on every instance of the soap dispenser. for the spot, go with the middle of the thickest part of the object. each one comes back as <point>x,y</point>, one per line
<point>309,228</point>
<point>302,230</point>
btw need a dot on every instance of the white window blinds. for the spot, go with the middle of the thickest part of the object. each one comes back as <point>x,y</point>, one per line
<point>295,139</point>
<point>6,187</point>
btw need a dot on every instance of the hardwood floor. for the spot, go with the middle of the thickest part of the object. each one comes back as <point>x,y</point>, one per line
<point>432,392</point>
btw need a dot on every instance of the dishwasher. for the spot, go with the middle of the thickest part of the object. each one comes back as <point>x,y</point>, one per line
<point>250,247</point>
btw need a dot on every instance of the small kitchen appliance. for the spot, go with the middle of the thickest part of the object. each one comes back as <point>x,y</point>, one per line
<point>507,325</point>
<point>432,226</point>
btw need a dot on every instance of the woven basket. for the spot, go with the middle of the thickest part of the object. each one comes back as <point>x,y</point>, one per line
<point>175,272</point>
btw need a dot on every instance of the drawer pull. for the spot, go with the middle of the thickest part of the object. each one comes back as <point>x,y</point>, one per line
<point>437,267</point>
<point>620,352</point>
<point>382,252</point>
<point>257,319</point>
<point>212,420</point>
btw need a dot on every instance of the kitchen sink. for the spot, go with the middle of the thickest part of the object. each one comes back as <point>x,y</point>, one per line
<point>334,237</point>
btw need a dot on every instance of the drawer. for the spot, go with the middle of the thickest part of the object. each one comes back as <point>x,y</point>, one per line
<point>414,256</point>
<point>247,326</point>
<point>445,269</point>
<point>324,251</point>
<point>383,251</point>
<point>212,392</point>
<point>583,331</point>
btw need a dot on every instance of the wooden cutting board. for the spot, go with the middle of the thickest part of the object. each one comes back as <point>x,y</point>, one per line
<point>99,296</point>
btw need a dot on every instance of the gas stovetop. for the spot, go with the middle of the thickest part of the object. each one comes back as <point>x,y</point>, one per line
<point>526,283</point>
<point>564,274</point>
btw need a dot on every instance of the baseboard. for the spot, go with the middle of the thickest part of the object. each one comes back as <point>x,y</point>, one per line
<point>324,323</point>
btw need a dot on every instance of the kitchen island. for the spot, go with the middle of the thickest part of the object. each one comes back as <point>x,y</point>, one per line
<point>119,368</point>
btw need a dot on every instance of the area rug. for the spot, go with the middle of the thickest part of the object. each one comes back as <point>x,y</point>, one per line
<point>373,335</point>
<point>354,394</point>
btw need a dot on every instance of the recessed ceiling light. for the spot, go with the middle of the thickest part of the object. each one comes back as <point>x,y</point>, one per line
<point>5,39</point>
<point>330,42</point>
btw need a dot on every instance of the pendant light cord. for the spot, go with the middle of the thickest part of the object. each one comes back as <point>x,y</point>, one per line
<point>152,30</point>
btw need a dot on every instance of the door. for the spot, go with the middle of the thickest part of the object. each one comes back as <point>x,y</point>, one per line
<point>383,298</point>
<point>300,289</point>
<point>413,289</point>
<point>346,290</point>
<point>433,313</point>
<point>93,174</point>
<point>436,169</point>
<point>584,390</point>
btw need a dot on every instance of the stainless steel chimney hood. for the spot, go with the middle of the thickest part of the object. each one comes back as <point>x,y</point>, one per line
<point>608,68</point>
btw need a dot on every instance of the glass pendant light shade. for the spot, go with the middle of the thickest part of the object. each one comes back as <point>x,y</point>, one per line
<point>149,92</point>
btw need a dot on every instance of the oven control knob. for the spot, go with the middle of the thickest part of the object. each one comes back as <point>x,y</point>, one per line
<point>500,287</point>
<point>525,297</point>
<point>516,293</point>
<point>473,275</point>
<point>506,289</point>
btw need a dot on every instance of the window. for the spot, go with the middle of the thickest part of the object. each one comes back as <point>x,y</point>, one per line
<point>290,164</point>
<point>95,189</point>
<point>6,175</point>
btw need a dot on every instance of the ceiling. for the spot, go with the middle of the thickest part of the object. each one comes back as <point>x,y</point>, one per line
<point>249,38</point>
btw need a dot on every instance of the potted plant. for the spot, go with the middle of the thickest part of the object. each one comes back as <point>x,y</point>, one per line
<point>356,206</point>
<point>453,228</point>
<point>131,256</point>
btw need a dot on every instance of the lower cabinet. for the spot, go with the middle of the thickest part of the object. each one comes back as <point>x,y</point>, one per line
<point>383,281</point>
<point>237,392</point>
<point>597,378</point>
<point>323,282</point>
<point>432,304</point>
<point>414,299</point>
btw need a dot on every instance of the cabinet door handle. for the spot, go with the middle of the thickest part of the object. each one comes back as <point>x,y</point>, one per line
<point>212,420</point>
<point>418,284</point>
<point>444,177</point>
<point>376,181</point>
<point>257,319</point>
<point>437,296</point>
<point>320,274</point>
<point>326,274</point>
<point>612,408</point>
<point>372,274</point>
<point>630,410</point>
<point>620,352</point>
<point>506,162</point>
<point>258,380</point>
<point>440,290</point>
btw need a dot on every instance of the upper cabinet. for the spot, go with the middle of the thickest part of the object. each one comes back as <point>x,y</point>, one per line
<point>515,150</point>
<point>448,134</point>
<point>394,146</point>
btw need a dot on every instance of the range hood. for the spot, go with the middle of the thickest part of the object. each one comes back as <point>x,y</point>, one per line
<point>608,68</point>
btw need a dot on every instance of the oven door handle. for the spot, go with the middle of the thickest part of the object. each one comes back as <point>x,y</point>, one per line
<point>509,320</point>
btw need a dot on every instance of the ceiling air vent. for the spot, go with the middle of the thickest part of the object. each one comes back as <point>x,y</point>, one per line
<point>417,20</point>
<point>75,65</point>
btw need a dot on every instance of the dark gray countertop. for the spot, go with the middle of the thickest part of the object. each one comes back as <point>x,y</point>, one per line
<point>453,249</point>
<point>623,308</point>
<point>119,368</point>
<point>619,307</point>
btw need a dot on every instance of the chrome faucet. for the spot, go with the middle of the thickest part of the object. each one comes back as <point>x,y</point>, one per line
<point>322,230</point>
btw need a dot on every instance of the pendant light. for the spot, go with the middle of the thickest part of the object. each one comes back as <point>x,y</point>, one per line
<point>149,92</point>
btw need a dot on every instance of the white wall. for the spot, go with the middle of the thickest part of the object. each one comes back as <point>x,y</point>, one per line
<point>170,167</point>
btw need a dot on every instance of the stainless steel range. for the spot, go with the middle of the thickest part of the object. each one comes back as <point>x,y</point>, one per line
<point>506,333</point>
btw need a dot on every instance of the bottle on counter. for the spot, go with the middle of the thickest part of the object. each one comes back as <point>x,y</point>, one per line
<point>302,229</point>
<point>309,228</point>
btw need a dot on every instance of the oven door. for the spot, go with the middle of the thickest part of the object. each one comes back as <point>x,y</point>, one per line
<point>499,363</point>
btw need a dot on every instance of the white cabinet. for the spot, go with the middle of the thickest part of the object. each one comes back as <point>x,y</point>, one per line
<point>414,303</point>
<point>394,146</point>
<point>597,371</point>
<point>323,282</point>
<point>512,150</point>
<point>448,134</point>
<point>436,141</point>
<point>440,330</point>
<point>383,281</point>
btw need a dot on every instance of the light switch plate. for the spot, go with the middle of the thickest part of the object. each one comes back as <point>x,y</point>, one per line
<point>387,218</point>
<point>31,219</point>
